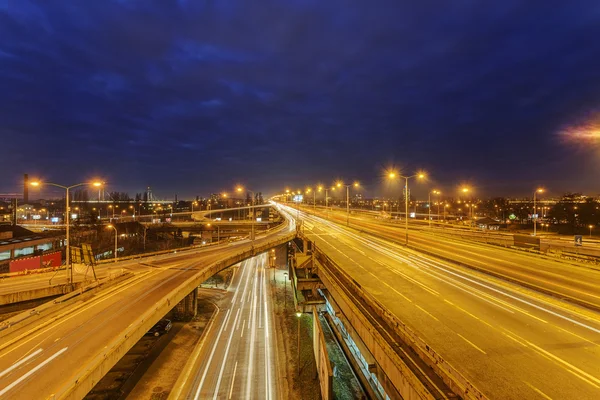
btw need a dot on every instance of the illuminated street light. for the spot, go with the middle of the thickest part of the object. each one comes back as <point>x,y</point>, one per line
<point>239,190</point>
<point>539,190</point>
<point>591,227</point>
<point>339,185</point>
<point>67,215</point>
<point>116,238</point>
<point>429,205</point>
<point>419,175</point>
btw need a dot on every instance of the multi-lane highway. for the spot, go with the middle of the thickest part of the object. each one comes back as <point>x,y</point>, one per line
<point>237,360</point>
<point>46,359</point>
<point>510,342</point>
<point>580,284</point>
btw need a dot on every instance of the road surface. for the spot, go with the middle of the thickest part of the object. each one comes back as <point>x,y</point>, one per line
<point>565,279</point>
<point>511,343</point>
<point>48,357</point>
<point>238,359</point>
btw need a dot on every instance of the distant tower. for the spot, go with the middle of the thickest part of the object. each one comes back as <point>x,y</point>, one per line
<point>25,189</point>
<point>149,194</point>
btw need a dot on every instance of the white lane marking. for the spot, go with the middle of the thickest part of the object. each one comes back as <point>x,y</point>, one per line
<point>268,388</point>
<point>426,312</point>
<point>218,385</point>
<point>435,263</point>
<point>233,380</point>
<point>243,325</point>
<point>252,340</point>
<point>33,371</point>
<point>212,353</point>
<point>567,364</point>
<point>521,300</point>
<point>260,295</point>
<point>18,363</point>
<point>471,343</point>
<point>538,391</point>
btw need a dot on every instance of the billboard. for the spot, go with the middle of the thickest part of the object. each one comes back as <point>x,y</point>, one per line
<point>298,198</point>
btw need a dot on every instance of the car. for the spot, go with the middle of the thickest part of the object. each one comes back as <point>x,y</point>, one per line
<point>161,327</point>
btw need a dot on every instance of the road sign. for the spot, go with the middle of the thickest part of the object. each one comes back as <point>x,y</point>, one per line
<point>75,255</point>
<point>578,240</point>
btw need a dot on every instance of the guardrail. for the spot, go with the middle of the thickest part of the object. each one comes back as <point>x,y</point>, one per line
<point>448,373</point>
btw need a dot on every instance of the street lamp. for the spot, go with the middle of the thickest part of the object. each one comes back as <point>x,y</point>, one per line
<point>194,203</point>
<point>429,205</point>
<point>393,175</point>
<point>591,227</point>
<point>116,238</point>
<point>67,215</point>
<point>339,185</point>
<point>298,315</point>
<point>239,190</point>
<point>540,190</point>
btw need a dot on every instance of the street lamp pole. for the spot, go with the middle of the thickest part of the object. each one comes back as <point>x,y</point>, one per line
<point>67,218</point>
<point>429,205</point>
<point>116,239</point>
<point>340,184</point>
<point>240,189</point>
<point>535,209</point>
<point>298,315</point>
<point>393,175</point>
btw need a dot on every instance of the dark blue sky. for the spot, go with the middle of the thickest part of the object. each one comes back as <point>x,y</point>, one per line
<point>192,97</point>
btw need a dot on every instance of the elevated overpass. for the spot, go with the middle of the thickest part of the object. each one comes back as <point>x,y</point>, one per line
<point>68,347</point>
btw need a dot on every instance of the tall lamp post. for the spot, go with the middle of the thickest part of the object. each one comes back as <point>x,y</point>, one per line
<point>340,184</point>
<point>539,190</point>
<point>591,227</point>
<point>116,239</point>
<point>314,192</point>
<point>429,205</point>
<point>393,175</point>
<point>67,215</point>
<point>298,315</point>
<point>467,190</point>
<point>239,190</point>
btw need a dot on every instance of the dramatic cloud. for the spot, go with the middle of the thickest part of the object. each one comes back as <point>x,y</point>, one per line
<point>193,96</point>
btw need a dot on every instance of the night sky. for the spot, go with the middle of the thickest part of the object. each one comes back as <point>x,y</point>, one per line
<point>193,97</point>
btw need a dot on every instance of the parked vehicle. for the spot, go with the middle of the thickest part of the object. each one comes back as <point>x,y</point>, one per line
<point>161,327</point>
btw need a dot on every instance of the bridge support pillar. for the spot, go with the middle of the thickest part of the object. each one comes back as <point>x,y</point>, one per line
<point>186,309</point>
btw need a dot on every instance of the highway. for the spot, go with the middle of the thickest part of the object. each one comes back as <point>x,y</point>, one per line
<point>238,357</point>
<point>47,358</point>
<point>510,342</point>
<point>578,283</point>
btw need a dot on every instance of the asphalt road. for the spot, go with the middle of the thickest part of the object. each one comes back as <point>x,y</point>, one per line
<point>45,358</point>
<point>511,343</point>
<point>581,284</point>
<point>238,357</point>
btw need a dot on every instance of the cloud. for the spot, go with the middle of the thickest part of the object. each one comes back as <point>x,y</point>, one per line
<point>324,85</point>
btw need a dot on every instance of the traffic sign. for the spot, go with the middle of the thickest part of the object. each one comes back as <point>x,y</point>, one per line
<point>578,240</point>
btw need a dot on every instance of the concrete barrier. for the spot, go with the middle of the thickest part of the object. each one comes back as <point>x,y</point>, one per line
<point>409,382</point>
